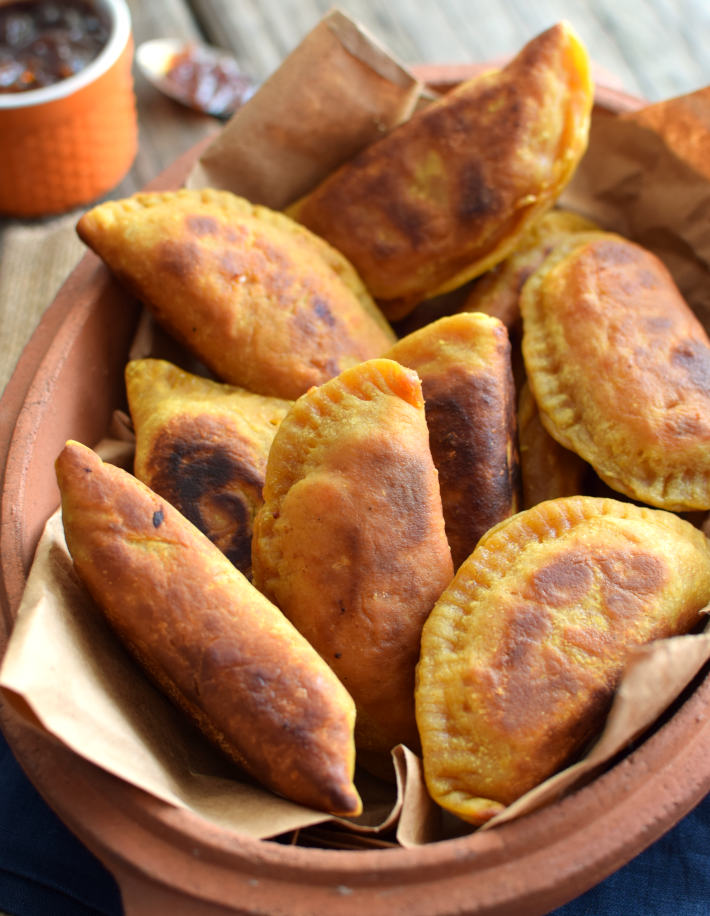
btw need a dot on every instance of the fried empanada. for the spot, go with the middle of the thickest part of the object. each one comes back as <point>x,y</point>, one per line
<point>350,541</point>
<point>464,365</point>
<point>260,300</point>
<point>447,195</point>
<point>620,367</point>
<point>521,655</point>
<point>203,445</point>
<point>547,470</point>
<point>497,292</point>
<point>219,649</point>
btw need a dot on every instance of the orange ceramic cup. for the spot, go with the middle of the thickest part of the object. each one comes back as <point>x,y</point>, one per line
<point>64,145</point>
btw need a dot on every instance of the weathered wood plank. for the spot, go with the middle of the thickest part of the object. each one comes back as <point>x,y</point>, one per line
<point>166,128</point>
<point>655,48</point>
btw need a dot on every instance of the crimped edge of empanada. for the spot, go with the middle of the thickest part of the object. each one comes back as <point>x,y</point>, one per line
<point>548,520</point>
<point>632,473</point>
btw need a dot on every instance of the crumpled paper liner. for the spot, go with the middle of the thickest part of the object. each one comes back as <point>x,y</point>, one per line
<point>66,673</point>
<point>683,124</point>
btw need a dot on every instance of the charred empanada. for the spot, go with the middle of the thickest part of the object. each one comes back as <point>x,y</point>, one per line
<point>521,655</point>
<point>464,365</point>
<point>447,195</point>
<point>497,293</point>
<point>260,300</point>
<point>619,368</point>
<point>203,445</point>
<point>547,470</point>
<point>350,541</point>
<point>219,649</point>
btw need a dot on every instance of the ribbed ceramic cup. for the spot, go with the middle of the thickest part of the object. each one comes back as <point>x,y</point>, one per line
<point>64,145</point>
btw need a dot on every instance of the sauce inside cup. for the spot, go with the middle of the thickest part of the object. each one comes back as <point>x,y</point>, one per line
<point>46,41</point>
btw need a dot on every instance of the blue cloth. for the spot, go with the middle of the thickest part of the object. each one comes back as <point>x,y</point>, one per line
<point>671,878</point>
<point>46,871</point>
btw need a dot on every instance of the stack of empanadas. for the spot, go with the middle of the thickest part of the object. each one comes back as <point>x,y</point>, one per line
<point>447,195</point>
<point>371,486</point>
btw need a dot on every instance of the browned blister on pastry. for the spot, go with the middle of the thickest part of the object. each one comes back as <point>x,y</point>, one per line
<point>350,541</point>
<point>261,301</point>
<point>464,365</point>
<point>521,655</point>
<point>497,292</point>
<point>203,445</point>
<point>219,649</point>
<point>620,369</point>
<point>447,195</point>
<point>547,470</point>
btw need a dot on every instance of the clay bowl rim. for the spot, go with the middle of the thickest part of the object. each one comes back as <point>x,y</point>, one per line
<point>556,852</point>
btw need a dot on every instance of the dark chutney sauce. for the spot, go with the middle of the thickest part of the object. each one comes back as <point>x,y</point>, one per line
<point>44,42</point>
<point>214,85</point>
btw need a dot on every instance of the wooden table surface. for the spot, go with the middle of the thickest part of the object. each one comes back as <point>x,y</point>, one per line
<point>652,48</point>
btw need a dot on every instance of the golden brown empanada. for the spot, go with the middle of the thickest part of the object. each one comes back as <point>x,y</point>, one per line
<point>350,541</point>
<point>260,300</point>
<point>217,647</point>
<point>619,367</point>
<point>547,470</point>
<point>203,446</point>
<point>497,292</point>
<point>447,195</point>
<point>521,655</point>
<point>464,365</point>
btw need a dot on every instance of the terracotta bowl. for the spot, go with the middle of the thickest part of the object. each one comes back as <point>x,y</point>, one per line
<point>170,861</point>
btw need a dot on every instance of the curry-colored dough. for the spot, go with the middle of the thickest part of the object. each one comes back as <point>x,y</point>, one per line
<point>203,445</point>
<point>464,365</point>
<point>497,292</point>
<point>620,369</point>
<point>350,541</point>
<point>547,470</point>
<point>264,303</point>
<point>447,195</point>
<point>521,655</point>
<point>217,647</point>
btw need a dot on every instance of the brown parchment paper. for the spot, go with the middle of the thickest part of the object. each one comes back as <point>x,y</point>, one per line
<point>64,671</point>
<point>632,181</point>
<point>336,93</point>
